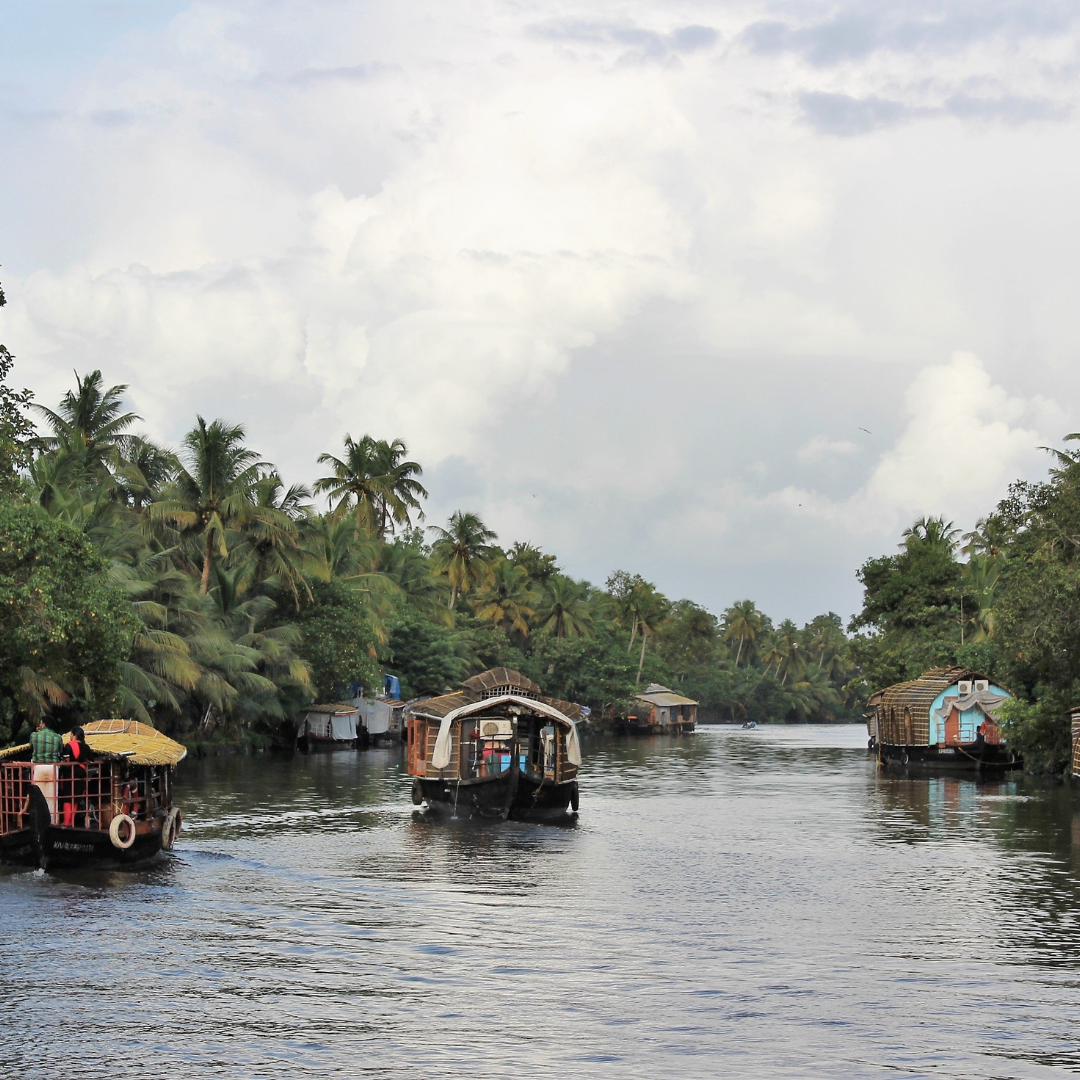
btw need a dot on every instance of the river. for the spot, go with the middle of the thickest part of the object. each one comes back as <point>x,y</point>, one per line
<point>735,903</point>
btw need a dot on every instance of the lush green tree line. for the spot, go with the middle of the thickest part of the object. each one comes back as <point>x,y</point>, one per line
<point>1002,599</point>
<point>194,590</point>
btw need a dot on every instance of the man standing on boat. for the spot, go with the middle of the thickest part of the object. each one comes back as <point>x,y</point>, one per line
<point>45,745</point>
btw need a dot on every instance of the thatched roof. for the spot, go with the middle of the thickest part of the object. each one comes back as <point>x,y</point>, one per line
<point>918,695</point>
<point>487,684</point>
<point>127,739</point>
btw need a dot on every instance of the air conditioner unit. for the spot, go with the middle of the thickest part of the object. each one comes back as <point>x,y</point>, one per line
<point>981,685</point>
<point>964,687</point>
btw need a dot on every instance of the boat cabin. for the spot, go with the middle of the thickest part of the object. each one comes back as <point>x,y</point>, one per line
<point>328,726</point>
<point>114,806</point>
<point>948,716</point>
<point>659,711</point>
<point>495,748</point>
<point>384,719</point>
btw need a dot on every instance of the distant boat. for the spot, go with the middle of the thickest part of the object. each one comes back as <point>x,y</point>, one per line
<point>496,748</point>
<point>114,807</point>
<point>659,711</point>
<point>328,727</point>
<point>945,718</point>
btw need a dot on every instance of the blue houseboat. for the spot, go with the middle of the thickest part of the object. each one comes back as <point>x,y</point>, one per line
<point>947,717</point>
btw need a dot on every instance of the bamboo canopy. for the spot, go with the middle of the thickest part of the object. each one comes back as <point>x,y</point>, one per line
<point>128,739</point>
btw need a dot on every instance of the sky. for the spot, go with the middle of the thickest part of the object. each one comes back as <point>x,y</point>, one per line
<point>723,293</point>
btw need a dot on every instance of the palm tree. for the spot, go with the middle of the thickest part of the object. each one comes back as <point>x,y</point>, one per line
<point>214,490</point>
<point>506,600</point>
<point>375,482</point>
<point>563,609</point>
<point>932,532</point>
<point>271,537</point>
<point>742,623</point>
<point>463,552</point>
<point>89,423</point>
<point>144,470</point>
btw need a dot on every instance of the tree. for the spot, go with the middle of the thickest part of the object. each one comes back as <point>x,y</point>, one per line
<point>563,608</point>
<point>505,600</point>
<point>336,639</point>
<point>463,553</point>
<point>742,623</point>
<point>214,489</point>
<point>375,481</point>
<point>16,431</point>
<point>64,631</point>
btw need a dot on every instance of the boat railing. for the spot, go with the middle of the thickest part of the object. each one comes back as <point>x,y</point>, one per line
<point>80,795</point>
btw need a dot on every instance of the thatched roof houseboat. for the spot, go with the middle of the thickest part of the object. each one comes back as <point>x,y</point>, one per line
<point>114,806</point>
<point>329,727</point>
<point>660,711</point>
<point>496,748</point>
<point>945,717</point>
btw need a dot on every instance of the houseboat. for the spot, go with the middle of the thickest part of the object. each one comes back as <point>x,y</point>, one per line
<point>114,807</point>
<point>496,748</point>
<point>945,718</point>
<point>329,727</point>
<point>659,711</point>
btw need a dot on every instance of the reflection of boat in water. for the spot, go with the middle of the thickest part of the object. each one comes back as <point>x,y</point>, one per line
<point>944,719</point>
<point>495,748</point>
<point>115,807</point>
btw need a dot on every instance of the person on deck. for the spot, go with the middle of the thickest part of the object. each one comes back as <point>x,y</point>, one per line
<point>45,745</point>
<point>78,753</point>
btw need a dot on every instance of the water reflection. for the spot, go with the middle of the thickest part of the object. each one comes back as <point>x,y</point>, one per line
<point>759,903</point>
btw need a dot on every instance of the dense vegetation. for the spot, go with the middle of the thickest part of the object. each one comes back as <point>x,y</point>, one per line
<point>1003,599</point>
<point>194,590</point>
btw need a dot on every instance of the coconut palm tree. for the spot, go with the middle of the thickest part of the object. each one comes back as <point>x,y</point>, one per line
<point>506,600</point>
<point>374,480</point>
<point>215,489</point>
<point>563,608</point>
<point>742,623</point>
<point>931,532</point>
<point>463,552</point>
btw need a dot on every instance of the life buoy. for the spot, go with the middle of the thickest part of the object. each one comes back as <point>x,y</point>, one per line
<point>574,797</point>
<point>170,829</point>
<point>122,821</point>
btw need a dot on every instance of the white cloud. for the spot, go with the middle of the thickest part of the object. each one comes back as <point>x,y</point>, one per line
<point>822,448</point>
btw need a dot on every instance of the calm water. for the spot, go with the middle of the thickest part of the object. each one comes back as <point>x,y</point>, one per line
<point>755,903</point>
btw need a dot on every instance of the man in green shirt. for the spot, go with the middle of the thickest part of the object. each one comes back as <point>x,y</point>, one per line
<point>45,745</point>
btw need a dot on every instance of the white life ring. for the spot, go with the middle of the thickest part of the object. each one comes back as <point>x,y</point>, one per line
<point>170,829</point>
<point>119,822</point>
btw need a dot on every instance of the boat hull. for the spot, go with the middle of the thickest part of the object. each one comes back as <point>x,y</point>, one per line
<point>54,847</point>
<point>968,757</point>
<point>516,796</point>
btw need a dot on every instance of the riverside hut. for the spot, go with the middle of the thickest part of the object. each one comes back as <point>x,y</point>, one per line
<point>660,711</point>
<point>946,717</point>
<point>496,748</point>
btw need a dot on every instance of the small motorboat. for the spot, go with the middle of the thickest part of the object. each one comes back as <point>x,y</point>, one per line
<point>749,725</point>
<point>116,806</point>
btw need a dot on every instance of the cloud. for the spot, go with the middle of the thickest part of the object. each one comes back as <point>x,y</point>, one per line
<point>841,114</point>
<point>640,44</point>
<point>822,448</point>
<point>856,30</point>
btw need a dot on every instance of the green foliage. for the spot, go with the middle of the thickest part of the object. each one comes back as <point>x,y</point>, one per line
<point>65,630</point>
<point>16,431</point>
<point>422,654</point>
<point>336,639</point>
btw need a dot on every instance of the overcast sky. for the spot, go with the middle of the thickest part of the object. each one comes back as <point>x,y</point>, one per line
<point>722,293</point>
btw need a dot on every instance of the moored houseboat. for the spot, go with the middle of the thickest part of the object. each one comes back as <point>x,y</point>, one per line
<point>329,727</point>
<point>116,806</point>
<point>659,711</point>
<point>496,748</point>
<point>945,718</point>
<point>1074,716</point>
